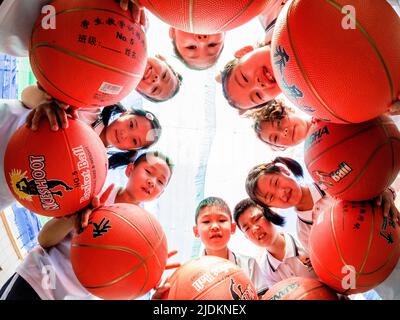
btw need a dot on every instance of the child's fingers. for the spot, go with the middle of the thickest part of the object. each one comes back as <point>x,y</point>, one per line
<point>124,4</point>
<point>85,217</point>
<point>378,200</point>
<point>96,202</point>
<point>37,116</point>
<point>51,115</point>
<point>106,193</point>
<point>62,116</point>
<point>386,208</point>
<point>28,120</point>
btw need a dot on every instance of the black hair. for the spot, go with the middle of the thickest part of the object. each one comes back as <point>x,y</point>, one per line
<point>270,168</point>
<point>118,159</point>
<point>121,158</point>
<point>243,205</point>
<point>178,86</point>
<point>209,202</point>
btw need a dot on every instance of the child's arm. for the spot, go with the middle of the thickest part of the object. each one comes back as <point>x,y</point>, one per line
<point>44,106</point>
<point>55,230</point>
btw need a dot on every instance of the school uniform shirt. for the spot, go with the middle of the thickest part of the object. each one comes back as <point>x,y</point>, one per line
<point>49,271</point>
<point>305,219</point>
<point>296,263</point>
<point>250,266</point>
<point>17,18</point>
<point>12,115</point>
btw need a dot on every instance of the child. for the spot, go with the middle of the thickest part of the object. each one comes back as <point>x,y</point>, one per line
<point>283,257</point>
<point>248,80</point>
<point>197,51</point>
<point>280,126</point>
<point>273,185</point>
<point>214,227</point>
<point>160,82</point>
<point>148,178</point>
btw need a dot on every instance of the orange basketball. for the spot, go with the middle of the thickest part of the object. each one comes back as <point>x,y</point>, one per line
<point>353,248</point>
<point>338,60</point>
<point>121,254</point>
<point>297,288</point>
<point>94,56</point>
<point>356,161</point>
<point>210,278</point>
<point>55,173</point>
<point>202,16</point>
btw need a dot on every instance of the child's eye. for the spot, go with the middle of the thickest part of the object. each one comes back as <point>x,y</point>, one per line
<point>131,124</point>
<point>164,75</point>
<point>270,199</point>
<point>135,142</point>
<point>154,89</point>
<point>276,182</point>
<point>161,182</point>
<point>191,47</point>
<point>258,95</point>
<point>212,45</point>
<point>279,123</point>
<point>276,139</point>
<point>244,78</point>
<point>206,221</point>
<point>222,220</point>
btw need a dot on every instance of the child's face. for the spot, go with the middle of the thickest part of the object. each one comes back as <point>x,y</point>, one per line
<point>214,227</point>
<point>288,131</point>
<point>278,190</point>
<point>256,228</point>
<point>147,179</point>
<point>251,82</point>
<point>129,132</point>
<point>198,50</point>
<point>159,81</point>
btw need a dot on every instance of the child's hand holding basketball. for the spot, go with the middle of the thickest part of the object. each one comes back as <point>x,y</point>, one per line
<point>394,109</point>
<point>82,219</point>
<point>162,291</point>
<point>136,9</point>
<point>56,113</point>
<point>386,200</point>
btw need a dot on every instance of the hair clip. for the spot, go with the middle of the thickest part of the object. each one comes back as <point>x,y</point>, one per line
<point>149,116</point>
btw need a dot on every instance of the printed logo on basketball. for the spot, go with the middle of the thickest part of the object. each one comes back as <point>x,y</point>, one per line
<point>25,188</point>
<point>281,60</point>
<point>316,137</point>
<point>238,293</point>
<point>388,225</point>
<point>83,167</point>
<point>210,276</point>
<point>289,288</point>
<point>328,180</point>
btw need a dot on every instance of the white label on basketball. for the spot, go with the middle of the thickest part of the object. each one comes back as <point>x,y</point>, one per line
<point>110,88</point>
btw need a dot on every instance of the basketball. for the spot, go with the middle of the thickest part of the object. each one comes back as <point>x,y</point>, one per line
<point>203,16</point>
<point>297,288</point>
<point>338,60</point>
<point>356,161</point>
<point>353,248</point>
<point>87,53</point>
<point>121,254</point>
<point>55,173</point>
<point>210,278</point>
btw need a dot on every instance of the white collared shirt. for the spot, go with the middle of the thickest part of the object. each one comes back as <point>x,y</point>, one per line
<point>306,218</point>
<point>252,269</point>
<point>295,263</point>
